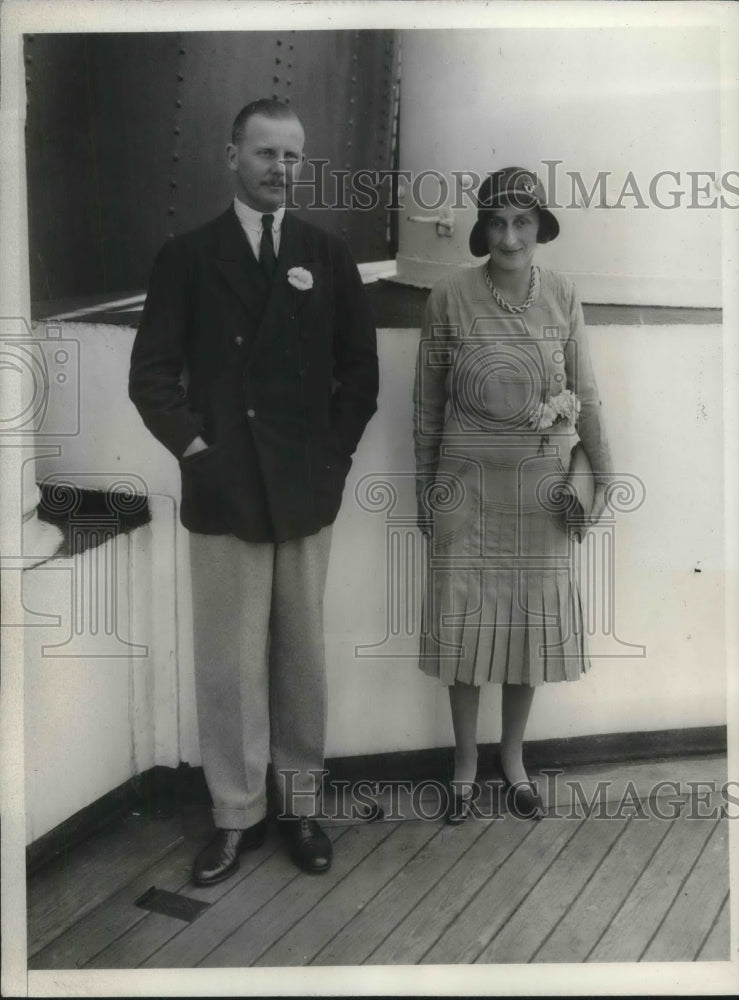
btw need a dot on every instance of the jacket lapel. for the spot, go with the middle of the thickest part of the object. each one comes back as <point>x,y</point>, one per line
<point>285,301</point>
<point>239,266</point>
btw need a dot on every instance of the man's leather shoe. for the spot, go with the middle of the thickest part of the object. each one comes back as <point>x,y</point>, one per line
<point>221,857</point>
<point>310,848</point>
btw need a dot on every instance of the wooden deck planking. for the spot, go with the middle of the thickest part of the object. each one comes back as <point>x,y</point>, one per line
<point>133,947</point>
<point>651,897</point>
<point>74,885</point>
<point>691,916</point>
<point>93,932</point>
<point>501,894</point>
<point>717,945</point>
<point>366,930</point>
<point>415,891</point>
<point>278,923</point>
<point>540,912</point>
<point>584,923</point>
<point>196,941</point>
<point>337,908</point>
<point>416,933</point>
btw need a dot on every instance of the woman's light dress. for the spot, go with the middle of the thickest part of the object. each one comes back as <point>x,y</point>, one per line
<point>502,602</point>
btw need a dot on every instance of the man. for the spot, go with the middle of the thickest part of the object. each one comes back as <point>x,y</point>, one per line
<point>255,364</point>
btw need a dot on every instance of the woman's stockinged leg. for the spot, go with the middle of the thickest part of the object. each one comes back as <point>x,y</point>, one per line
<point>516,705</point>
<point>464,700</point>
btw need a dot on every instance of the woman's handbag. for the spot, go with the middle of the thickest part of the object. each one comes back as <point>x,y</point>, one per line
<point>581,483</point>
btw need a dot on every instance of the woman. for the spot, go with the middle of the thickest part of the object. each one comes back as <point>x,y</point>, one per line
<point>503,376</point>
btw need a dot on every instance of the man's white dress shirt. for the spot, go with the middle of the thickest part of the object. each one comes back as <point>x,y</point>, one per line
<point>251,223</point>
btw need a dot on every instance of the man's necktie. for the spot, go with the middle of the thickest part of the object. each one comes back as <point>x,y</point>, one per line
<point>267,258</point>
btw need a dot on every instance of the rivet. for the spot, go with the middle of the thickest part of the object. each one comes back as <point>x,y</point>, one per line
<point>170,236</point>
<point>175,157</point>
<point>178,104</point>
<point>275,79</point>
<point>278,61</point>
<point>180,77</point>
<point>29,81</point>
<point>173,184</point>
<point>182,52</point>
<point>279,41</point>
<point>289,83</point>
<point>171,209</point>
<point>29,59</point>
<point>176,130</point>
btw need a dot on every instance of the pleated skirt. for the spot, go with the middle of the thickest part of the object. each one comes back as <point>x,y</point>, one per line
<point>502,601</point>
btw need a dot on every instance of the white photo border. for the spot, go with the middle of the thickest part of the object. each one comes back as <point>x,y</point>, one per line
<point>27,16</point>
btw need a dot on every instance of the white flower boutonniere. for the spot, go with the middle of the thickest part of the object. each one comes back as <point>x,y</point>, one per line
<point>565,406</point>
<point>300,278</point>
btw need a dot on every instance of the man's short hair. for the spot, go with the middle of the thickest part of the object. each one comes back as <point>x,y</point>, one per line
<point>265,106</point>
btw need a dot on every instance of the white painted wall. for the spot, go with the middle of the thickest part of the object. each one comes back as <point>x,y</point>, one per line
<point>101,700</point>
<point>613,99</point>
<point>79,740</point>
<point>661,388</point>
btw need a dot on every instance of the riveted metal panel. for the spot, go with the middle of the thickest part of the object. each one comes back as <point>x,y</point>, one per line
<point>100,109</point>
<point>126,138</point>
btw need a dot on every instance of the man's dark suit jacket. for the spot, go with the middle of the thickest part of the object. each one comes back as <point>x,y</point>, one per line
<point>279,382</point>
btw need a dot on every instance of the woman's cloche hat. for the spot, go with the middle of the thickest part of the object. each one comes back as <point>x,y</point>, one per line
<point>511,186</point>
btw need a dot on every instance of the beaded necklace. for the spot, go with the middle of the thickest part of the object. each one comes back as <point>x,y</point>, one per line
<point>507,305</point>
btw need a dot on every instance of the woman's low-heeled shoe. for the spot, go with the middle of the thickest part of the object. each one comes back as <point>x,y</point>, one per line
<point>459,808</point>
<point>521,800</point>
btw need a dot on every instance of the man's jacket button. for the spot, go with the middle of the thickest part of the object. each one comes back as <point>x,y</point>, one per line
<point>238,341</point>
<point>250,413</point>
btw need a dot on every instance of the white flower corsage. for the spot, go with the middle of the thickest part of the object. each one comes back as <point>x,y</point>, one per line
<point>300,278</point>
<point>564,406</point>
